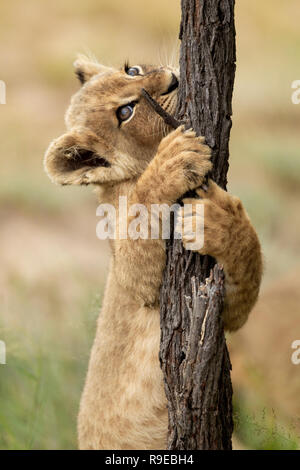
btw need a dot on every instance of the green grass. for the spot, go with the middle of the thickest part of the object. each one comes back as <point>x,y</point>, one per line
<point>40,410</point>
<point>43,378</point>
<point>258,428</point>
<point>283,164</point>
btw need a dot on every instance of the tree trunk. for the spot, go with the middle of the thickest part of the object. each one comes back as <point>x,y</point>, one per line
<point>193,355</point>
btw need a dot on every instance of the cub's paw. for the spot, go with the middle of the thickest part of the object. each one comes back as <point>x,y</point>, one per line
<point>212,224</point>
<point>182,161</point>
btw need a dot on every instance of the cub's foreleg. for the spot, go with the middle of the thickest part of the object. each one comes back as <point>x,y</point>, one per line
<point>231,239</point>
<point>181,162</point>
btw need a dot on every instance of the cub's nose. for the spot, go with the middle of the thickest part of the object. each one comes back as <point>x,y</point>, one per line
<point>173,85</point>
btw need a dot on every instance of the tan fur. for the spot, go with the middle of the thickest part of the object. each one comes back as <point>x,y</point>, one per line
<point>123,405</point>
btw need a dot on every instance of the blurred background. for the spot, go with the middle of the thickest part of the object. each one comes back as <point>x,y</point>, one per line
<point>53,267</point>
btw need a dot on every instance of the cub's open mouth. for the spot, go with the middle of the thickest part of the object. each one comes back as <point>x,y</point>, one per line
<point>173,85</point>
<point>79,157</point>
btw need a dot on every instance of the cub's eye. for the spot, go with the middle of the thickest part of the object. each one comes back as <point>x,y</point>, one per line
<point>125,112</point>
<point>133,71</point>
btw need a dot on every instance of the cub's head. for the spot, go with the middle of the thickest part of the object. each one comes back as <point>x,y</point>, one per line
<point>112,131</point>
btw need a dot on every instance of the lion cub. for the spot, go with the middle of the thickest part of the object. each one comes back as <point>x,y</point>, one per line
<point>115,141</point>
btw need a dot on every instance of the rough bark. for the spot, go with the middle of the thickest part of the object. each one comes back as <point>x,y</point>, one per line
<point>193,355</point>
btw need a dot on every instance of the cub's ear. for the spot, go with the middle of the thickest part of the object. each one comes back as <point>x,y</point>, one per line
<point>86,68</point>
